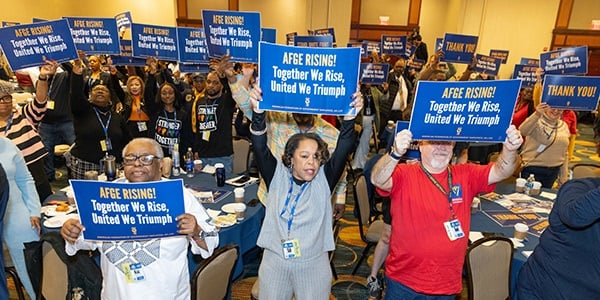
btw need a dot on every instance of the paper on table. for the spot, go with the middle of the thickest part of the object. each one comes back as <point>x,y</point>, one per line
<point>526,253</point>
<point>475,235</point>
<point>516,243</point>
<point>212,213</point>
<point>548,195</point>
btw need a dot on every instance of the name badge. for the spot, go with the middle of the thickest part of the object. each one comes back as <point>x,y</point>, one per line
<point>453,229</point>
<point>105,145</point>
<point>142,126</point>
<point>541,148</point>
<point>291,248</point>
<point>50,104</point>
<point>134,272</point>
<point>206,135</point>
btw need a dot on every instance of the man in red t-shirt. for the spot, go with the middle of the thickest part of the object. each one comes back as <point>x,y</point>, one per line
<point>430,209</point>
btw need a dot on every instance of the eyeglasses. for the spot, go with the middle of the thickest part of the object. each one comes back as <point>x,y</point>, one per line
<point>145,159</point>
<point>6,98</point>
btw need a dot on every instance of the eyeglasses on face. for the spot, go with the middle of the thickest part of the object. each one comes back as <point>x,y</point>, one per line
<point>6,98</point>
<point>145,159</point>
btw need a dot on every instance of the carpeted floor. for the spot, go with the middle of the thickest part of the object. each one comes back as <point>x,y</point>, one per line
<point>350,245</point>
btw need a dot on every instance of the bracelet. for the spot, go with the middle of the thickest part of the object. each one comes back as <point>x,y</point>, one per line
<point>394,155</point>
<point>260,132</point>
<point>43,78</point>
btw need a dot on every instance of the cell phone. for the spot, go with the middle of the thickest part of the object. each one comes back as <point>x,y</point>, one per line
<point>243,179</point>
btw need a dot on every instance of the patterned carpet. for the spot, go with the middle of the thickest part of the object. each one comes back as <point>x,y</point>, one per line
<point>350,245</point>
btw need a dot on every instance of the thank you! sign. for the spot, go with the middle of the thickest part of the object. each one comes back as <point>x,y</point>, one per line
<point>459,48</point>
<point>571,92</point>
<point>28,45</point>
<point>308,80</point>
<point>128,211</point>
<point>463,110</point>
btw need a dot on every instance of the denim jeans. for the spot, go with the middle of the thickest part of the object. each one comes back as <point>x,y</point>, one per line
<point>396,290</point>
<point>53,134</point>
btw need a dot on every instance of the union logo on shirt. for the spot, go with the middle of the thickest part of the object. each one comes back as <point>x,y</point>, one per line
<point>456,194</point>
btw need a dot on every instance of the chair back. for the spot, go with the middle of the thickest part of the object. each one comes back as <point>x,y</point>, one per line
<point>55,278</point>
<point>241,153</point>
<point>361,200</point>
<point>585,170</point>
<point>212,278</point>
<point>489,262</point>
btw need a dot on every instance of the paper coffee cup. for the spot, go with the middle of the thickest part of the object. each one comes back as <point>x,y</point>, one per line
<point>536,188</point>
<point>198,166</point>
<point>240,212</point>
<point>521,230</point>
<point>239,194</point>
<point>520,185</point>
<point>167,164</point>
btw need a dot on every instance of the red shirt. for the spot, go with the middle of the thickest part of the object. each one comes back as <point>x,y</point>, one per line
<point>421,255</point>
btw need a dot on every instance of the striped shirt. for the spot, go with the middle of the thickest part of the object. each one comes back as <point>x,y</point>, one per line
<point>21,130</point>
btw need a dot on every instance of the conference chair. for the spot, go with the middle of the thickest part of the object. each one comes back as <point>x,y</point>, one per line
<point>212,278</point>
<point>10,270</point>
<point>241,154</point>
<point>489,262</point>
<point>585,170</point>
<point>55,277</point>
<point>370,230</point>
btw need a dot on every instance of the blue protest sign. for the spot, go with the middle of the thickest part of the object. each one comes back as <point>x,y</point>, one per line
<point>268,35</point>
<point>124,20</point>
<point>471,111</point>
<point>565,61</point>
<point>126,58</point>
<point>487,64</point>
<point>526,73</point>
<point>8,23</point>
<point>95,35</point>
<point>393,44</point>
<point>372,46</point>
<point>501,54</point>
<point>374,73</point>
<point>28,45</point>
<point>313,41</point>
<point>37,20</point>
<point>459,48</point>
<point>529,61</point>
<point>154,41</point>
<point>128,211</point>
<point>439,44</point>
<point>308,80</point>
<point>194,68</point>
<point>289,38</point>
<point>571,92</point>
<point>192,45</point>
<point>416,64</point>
<point>362,46</point>
<point>413,151</point>
<point>325,31</point>
<point>236,33</point>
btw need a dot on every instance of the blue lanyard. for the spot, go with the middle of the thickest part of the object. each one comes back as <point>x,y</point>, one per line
<point>8,124</point>
<point>167,114</point>
<point>294,204</point>
<point>448,194</point>
<point>104,127</point>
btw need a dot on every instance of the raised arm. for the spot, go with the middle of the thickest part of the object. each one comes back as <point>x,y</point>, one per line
<point>507,161</point>
<point>381,176</point>
<point>264,158</point>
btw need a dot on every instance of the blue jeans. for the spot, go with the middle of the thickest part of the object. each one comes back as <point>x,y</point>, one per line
<point>227,161</point>
<point>396,290</point>
<point>52,135</point>
<point>545,175</point>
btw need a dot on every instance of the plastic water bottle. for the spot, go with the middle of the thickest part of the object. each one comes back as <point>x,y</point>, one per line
<point>175,157</point>
<point>189,162</point>
<point>529,184</point>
